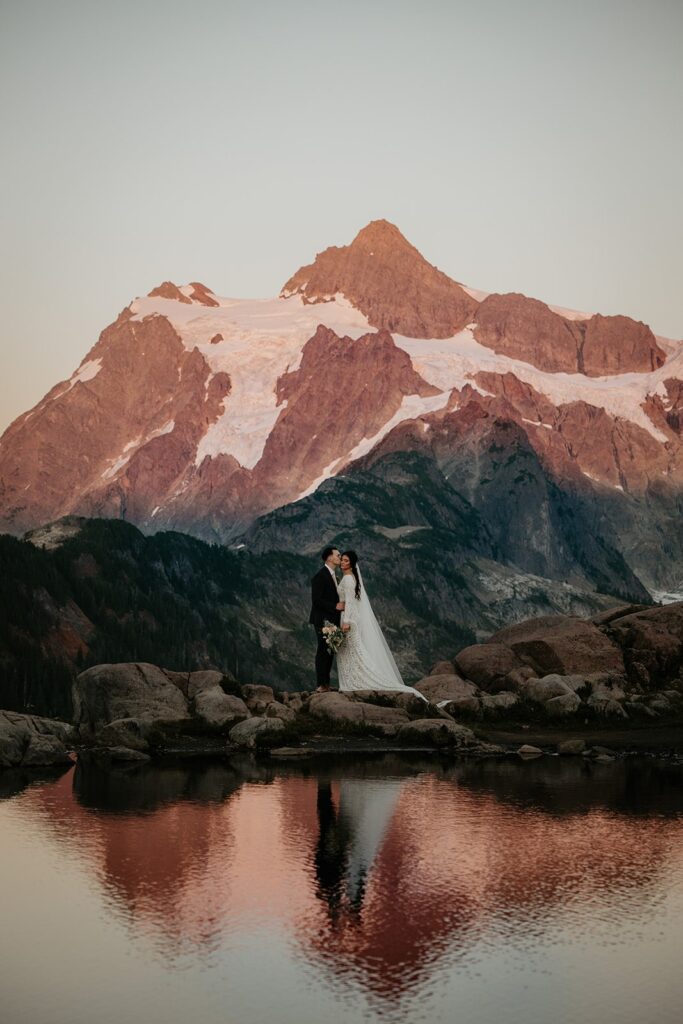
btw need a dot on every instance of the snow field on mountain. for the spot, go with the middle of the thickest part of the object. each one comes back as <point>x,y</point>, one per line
<point>264,339</point>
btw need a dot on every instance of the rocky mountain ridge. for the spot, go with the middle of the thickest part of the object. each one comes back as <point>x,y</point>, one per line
<point>199,413</point>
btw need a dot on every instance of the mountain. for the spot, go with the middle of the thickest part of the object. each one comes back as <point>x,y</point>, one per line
<point>203,414</point>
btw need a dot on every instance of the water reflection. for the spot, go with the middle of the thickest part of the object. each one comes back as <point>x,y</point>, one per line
<point>378,873</point>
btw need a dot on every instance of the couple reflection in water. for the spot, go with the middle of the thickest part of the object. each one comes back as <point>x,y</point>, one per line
<point>350,837</point>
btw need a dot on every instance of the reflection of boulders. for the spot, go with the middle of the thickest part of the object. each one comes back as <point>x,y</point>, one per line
<point>15,780</point>
<point>575,785</point>
<point>28,740</point>
<point>149,786</point>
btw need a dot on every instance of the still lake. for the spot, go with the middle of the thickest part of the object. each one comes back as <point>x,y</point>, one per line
<point>383,889</point>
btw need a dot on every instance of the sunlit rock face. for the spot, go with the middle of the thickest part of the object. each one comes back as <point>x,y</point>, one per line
<point>200,413</point>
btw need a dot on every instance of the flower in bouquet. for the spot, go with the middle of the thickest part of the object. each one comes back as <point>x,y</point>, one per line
<point>334,636</point>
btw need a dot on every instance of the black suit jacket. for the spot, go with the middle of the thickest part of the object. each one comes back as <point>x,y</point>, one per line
<point>324,598</point>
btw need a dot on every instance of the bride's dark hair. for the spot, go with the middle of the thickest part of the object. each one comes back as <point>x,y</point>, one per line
<point>353,559</point>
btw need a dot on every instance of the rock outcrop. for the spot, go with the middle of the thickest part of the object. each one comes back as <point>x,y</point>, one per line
<point>527,329</point>
<point>388,280</point>
<point>30,741</point>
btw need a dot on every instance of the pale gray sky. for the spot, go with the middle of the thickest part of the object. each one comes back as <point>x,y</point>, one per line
<point>533,146</point>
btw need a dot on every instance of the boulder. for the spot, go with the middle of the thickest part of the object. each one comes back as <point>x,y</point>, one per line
<point>488,665</point>
<point>285,712</point>
<point>43,750</point>
<point>443,668</point>
<point>121,754</point>
<point>435,732</point>
<point>14,737</point>
<point>217,709</point>
<point>563,644</point>
<point>652,642</point>
<point>502,701</point>
<point>33,740</point>
<point>245,733</point>
<point>565,704</point>
<point>572,746</point>
<point>528,751</point>
<point>606,706</point>
<point>605,687</point>
<point>207,679</point>
<point>124,732</point>
<point>545,688</point>
<point>407,700</point>
<point>337,707</point>
<point>470,705</point>
<point>445,687</point>
<point>105,693</point>
<point>257,697</point>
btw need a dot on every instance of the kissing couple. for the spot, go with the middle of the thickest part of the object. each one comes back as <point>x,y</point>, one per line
<point>364,661</point>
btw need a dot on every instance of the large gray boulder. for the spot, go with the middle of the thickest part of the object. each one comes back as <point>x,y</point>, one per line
<point>652,642</point>
<point>284,712</point>
<point>435,732</point>
<point>488,665</point>
<point>564,644</point>
<point>130,733</point>
<point>405,699</point>
<point>499,702</point>
<point>337,708</point>
<point>445,687</point>
<point>545,688</point>
<point>105,693</point>
<point>565,704</point>
<point>29,740</point>
<point>246,733</point>
<point>257,697</point>
<point>218,710</point>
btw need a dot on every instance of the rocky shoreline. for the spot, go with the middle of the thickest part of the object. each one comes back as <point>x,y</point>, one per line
<point>558,684</point>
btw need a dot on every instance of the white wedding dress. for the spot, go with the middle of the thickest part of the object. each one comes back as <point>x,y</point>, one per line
<point>364,661</point>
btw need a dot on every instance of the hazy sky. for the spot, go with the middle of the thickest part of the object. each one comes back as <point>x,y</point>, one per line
<point>529,146</point>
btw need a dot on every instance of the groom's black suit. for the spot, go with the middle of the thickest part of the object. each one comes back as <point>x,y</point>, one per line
<point>324,600</point>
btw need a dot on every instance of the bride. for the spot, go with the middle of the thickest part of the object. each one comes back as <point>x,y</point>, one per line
<point>364,661</point>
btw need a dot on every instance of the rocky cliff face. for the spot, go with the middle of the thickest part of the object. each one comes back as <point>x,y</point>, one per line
<point>387,279</point>
<point>199,413</point>
<point>527,329</point>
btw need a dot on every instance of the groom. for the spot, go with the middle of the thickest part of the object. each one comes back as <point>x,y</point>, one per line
<point>325,606</point>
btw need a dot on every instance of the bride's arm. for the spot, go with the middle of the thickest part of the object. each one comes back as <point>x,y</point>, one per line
<point>347,593</point>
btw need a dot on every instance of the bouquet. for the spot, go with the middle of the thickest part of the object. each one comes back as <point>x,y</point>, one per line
<point>334,636</point>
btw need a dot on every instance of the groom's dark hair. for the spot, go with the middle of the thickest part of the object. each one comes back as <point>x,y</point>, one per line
<point>326,552</point>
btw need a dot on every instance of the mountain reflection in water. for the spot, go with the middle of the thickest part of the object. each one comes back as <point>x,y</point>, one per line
<point>382,878</point>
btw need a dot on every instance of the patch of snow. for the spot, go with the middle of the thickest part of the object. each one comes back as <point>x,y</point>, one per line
<point>453,362</point>
<point>666,597</point>
<point>262,340</point>
<point>155,510</point>
<point>394,532</point>
<point>411,407</point>
<point>86,371</point>
<point>325,475</point>
<point>570,314</point>
<point>134,446</point>
<point>475,293</point>
<point>537,423</point>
